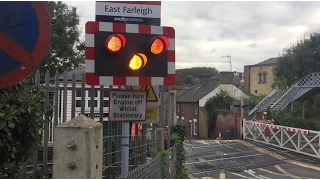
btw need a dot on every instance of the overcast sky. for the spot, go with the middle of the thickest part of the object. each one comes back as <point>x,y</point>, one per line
<point>250,32</point>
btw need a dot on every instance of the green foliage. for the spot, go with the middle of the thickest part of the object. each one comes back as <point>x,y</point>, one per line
<point>181,170</point>
<point>180,129</point>
<point>215,79</point>
<point>254,100</point>
<point>220,102</point>
<point>198,71</point>
<point>189,79</point>
<point>66,50</point>
<point>164,155</point>
<point>298,60</point>
<point>196,81</point>
<point>293,120</point>
<point>41,173</point>
<point>22,112</point>
<point>179,78</point>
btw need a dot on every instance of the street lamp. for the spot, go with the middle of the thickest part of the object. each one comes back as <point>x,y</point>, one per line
<point>229,56</point>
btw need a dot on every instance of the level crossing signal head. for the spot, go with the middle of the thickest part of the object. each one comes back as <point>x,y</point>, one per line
<point>131,54</point>
<point>114,43</point>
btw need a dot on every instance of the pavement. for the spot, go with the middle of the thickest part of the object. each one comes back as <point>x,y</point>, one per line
<point>238,159</point>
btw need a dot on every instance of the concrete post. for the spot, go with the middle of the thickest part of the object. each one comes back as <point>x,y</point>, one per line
<point>77,149</point>
<point>160,139</point>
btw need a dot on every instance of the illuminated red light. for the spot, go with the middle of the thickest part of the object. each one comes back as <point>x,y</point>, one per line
<point>114,43</point>
<point>159,44</point>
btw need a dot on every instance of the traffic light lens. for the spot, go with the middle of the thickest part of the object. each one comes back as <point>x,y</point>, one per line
<point>138,61</point>
<point>115,43</point>
<point>157,46</point>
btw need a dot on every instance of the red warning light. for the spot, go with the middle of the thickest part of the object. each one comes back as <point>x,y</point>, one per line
<point>159,44</point>
<point>114,43</point>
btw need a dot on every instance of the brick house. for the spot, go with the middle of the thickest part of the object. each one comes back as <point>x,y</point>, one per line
<point>190,104</point>
<point>259,77</point>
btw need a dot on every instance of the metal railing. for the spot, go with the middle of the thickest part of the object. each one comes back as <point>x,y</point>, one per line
<point>160,167</point>
<point>70,96</point>
<point>301,141</point>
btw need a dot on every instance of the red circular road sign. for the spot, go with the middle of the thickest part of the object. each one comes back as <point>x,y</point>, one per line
<point>25,32</point>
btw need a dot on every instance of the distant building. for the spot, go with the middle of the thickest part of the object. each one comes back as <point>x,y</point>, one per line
<point>190,104</point>
<point>258,78</point>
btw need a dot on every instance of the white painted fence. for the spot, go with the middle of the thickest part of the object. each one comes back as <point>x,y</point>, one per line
<point>301,141</point>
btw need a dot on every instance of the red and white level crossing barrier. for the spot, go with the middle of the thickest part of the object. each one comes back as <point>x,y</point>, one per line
<point>256,124</point>
<point>302,131</point>
<point>274,126</point>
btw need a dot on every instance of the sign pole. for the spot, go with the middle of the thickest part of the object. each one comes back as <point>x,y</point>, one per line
<point>125,143</point>
<point>169,115</point>
<point>162,107</point>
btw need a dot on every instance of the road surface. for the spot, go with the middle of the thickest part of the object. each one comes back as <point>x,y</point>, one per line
<point>237,159</point>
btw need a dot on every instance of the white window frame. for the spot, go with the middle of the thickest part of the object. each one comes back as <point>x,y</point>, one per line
<point>87,99</point>
<point>195,109</point>
<point>190,121</point>
<point>195,127</point>
<point>182,108</point>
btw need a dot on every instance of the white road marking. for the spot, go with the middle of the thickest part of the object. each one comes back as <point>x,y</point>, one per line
<point>229,158</point>
<point>252,173</point>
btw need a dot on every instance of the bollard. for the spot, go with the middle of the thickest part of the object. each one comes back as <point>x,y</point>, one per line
<point>77,149</point>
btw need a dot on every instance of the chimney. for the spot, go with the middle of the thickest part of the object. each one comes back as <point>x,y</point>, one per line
<point>204,78</point>
<point>226,77</point>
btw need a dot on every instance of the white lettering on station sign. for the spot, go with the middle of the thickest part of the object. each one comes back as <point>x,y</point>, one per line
<point>136,12</point>
<point>127,105</point>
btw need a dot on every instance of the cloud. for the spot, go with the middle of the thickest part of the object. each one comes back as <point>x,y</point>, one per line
<point>252,45</point>
<point>207,30</point>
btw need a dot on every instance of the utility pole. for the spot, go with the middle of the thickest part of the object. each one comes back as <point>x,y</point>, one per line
<point>229,56</point>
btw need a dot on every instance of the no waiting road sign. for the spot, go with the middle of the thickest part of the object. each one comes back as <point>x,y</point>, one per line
<point>25,31</point>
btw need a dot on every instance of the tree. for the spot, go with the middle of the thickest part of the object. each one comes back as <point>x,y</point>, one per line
<point>189,79</point>
<point>66,50</point>
<point>198,71</point>
<point>298,61</point>
<point>22,112</point>
<point>179,78</point>
<point>196,81</point>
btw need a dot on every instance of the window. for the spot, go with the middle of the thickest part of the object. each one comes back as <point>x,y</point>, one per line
<point>195,109</point>
<point>195,127</point>
<point>260,78</point>
<point>182,108</point>
<point>96,101</point>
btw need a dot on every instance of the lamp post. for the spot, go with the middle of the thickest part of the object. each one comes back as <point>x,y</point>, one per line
<point>229,56</point>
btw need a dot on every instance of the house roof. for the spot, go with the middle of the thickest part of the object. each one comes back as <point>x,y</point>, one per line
<point>197,92</point>
<point>270,61</point>
<point>77,72</point>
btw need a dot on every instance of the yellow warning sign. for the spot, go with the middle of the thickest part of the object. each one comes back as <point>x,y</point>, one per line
<point>152,97</point>
<point>152,113</point>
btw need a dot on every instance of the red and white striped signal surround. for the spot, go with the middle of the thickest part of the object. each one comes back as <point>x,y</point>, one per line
<point>92,79</point>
